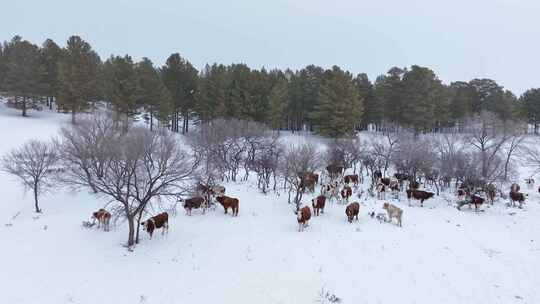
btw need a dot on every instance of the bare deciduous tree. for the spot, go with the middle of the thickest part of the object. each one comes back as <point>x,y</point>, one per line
<point>130,168</point>
<point>296,161</point>
<point>35,165</point>
<point>486,133</point>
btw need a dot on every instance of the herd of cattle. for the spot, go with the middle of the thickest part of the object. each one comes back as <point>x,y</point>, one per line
<point>339,188</point>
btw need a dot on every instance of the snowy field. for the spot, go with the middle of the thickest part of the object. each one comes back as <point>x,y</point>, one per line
<point>440,255</point>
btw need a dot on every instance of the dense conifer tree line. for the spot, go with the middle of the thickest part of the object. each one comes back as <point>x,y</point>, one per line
<point>331,102</point>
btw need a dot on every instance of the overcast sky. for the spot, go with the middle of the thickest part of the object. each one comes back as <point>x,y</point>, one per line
<point>459,39</point>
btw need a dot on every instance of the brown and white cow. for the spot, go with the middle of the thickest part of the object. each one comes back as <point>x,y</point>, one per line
<point>517,197</point>
<point>103,218</point>
<point>195,203</point>
<point>303,216</point>
<point>160,221</point>
<point>381,191</point>
<point>352,178</point>
<point>352,211</point>
<point>318,204</point>
<point>475,200</point>
<point>346,192</point>
<point>461,194</point>
<point>229,202</point>
<point>419,195</point>
<point>330,190</point>
<point>514,188</point>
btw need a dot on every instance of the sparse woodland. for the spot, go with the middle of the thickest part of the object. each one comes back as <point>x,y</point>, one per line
<point>444,135</point>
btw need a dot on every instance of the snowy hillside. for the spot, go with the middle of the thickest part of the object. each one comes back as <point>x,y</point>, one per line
<point>440,255</point>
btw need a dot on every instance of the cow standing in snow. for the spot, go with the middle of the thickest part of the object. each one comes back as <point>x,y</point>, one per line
<point>103,218</point>
<point>393,212</point>
<point>318,204</point>
<point>303,216</point>
<point>160,221</point>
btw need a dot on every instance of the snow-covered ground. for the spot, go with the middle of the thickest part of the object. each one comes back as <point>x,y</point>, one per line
<point>440,255</point>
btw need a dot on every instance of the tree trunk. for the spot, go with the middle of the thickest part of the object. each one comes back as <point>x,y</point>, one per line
<point>36,199</point>
<point>73,116</point>
<point>151,121</point>
<point>138,226</point>
<point>24,106</point>
<point>131,234</point>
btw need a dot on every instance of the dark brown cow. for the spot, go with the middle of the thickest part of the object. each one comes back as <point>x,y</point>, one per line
<point>103,218</point>
<point>419,195</point>
<point>229,202</point>
<point>195,203</point>
<point>352,211</point>
<point>346,192</point>
<point>475,200</point>
<point>401,176</point>
<point>517,197</point>
<point>385,181</point>
<point>313,176</point>
<point>318,204</point>
<point>309,181</point>
<point>334,171</point>
<point>156,222</point>
<point>530,182</point>
<point>353,178</point>
<point>304,214</point>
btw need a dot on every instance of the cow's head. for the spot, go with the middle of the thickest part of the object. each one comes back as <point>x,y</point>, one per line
<point>386,206</point>
<point>430,194</point>
<point>148,226</point>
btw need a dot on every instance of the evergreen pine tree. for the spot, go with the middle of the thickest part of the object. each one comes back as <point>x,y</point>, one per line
<point>78,71</point>
<point>181,79</point>
<point>421,90</point>
<point>212,93</point>
<point>340,108</point>
<point>51,54</point>
<point>531,106</point>
<point>278,102</point>
<point>24,74</point>
<point>151,93</point>
<point>121,87</point>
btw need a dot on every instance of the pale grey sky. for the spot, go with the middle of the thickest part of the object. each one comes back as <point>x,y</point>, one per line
<point>459,39</point>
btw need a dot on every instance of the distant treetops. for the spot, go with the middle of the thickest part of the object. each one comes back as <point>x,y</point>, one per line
<point>331,102</point>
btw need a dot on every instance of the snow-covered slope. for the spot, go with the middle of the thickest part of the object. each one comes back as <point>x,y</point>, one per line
<point>440,255</point>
